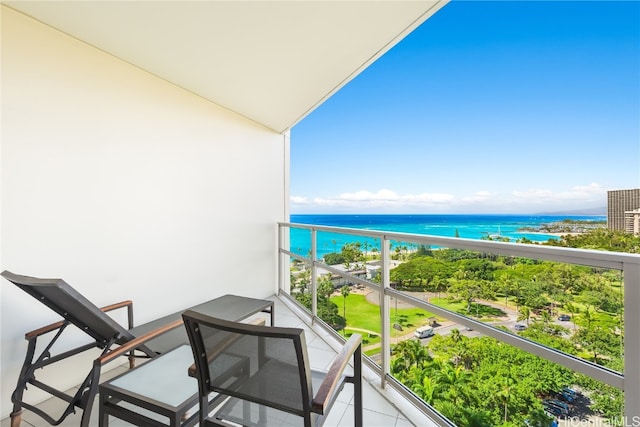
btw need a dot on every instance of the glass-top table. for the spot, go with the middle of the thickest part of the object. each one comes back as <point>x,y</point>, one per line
<point>160,392</point>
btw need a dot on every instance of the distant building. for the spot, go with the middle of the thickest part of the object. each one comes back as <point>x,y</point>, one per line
<point>632,221</point>
<point>623,210</point>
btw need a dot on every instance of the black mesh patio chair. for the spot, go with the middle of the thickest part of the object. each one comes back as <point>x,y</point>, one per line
<point>278,387</point>
<point>107,335</point>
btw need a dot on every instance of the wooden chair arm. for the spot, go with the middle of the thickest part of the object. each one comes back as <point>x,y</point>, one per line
<point>58,325</point>
<point>330,383</point>
<point>44,330</point>
<point>222,346</point>
<point>128,304</point>
<point>121,304</point>
<point>136,342</point>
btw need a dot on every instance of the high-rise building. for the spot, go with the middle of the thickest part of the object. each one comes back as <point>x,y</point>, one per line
<point>632,222</point>
<point>623,210</point>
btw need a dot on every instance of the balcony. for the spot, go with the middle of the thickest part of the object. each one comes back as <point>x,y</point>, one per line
<point>303,254</point>
<point>137,169</point>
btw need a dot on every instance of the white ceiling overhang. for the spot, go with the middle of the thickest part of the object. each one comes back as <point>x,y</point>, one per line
<point>270,61</point>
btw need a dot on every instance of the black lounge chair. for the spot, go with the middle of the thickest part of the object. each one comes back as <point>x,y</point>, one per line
<point>278,387</point>
<point>147,341</point>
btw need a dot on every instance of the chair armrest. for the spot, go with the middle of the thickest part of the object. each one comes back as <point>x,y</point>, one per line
<point>136,342</point>
<point>328,387</point>
<point>128,304</point>
<point>58,325</point>
<point>44,330</point>
<point>121,304</point>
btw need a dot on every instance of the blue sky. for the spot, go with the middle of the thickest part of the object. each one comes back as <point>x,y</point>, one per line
<point>488,107</point>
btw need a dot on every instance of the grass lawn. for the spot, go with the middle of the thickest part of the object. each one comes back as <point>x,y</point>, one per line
<point>362,315</point>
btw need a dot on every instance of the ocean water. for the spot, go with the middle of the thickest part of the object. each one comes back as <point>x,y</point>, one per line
<point>467,226</point>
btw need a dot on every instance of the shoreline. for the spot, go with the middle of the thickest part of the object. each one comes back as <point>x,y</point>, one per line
<point>556,234</point>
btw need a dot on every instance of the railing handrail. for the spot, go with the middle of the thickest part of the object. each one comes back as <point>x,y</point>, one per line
<point>590,257</point>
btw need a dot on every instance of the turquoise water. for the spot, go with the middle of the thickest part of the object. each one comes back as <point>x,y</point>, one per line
<point>467,226</point>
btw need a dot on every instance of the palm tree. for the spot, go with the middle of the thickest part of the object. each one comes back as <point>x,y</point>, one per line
<point>545,318</point>
<point>325,287</point>
<point>455,335</point>
<point>476,418</point>
<point>409,353</point>
<point>454,380</point>
<point>571,308</point>
<point>448,409</point>
<point>427,389</point>
<point>588,316</point>
<point>503,395</point>
<point>524,314</point>
<point>345,291</point>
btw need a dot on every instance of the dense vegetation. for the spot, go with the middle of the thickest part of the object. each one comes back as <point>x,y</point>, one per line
<point>496,384</point>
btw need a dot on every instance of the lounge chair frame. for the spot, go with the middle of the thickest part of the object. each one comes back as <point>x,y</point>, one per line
<point>95,322</point>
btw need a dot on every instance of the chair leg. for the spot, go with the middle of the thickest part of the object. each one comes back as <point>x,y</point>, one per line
<point>90,395</point>
<point>25,373</point>
<point>16,417</point>
<point>132,362</point>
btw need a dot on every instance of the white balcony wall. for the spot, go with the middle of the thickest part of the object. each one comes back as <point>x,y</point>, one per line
<point>126,186</point>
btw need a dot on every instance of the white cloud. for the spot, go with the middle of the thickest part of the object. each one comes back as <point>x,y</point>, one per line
<point>299,200</point>
<point>518,201</point>
<point>480,196</point>
<point>365,201</point>
<point>380,201</point>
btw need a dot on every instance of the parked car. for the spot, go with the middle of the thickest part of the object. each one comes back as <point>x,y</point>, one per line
<point>559,404</point>
<point>564,317</point>
<point>567,397</point>
<point>556,407</point>
<point>570,393</point>
<point>519,327</point>
<point>563,396</point>
<point>553,410</point>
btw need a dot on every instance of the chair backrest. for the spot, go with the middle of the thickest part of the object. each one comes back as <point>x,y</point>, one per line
<point>278,374</point>
<point>72,306</point>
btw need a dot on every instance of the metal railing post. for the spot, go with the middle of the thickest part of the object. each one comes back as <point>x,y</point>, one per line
<point>314,276</point>
<point>631,286</point>
<point>280,255</point>
<point>384,312</point>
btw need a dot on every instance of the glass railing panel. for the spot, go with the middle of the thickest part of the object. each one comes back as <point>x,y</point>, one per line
<point>300,239</point>
<point>299,284</point>
<point>349,249</point>
<point>352,265</point>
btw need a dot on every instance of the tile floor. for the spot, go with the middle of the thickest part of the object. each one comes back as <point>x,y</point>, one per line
<point>378,409</point>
